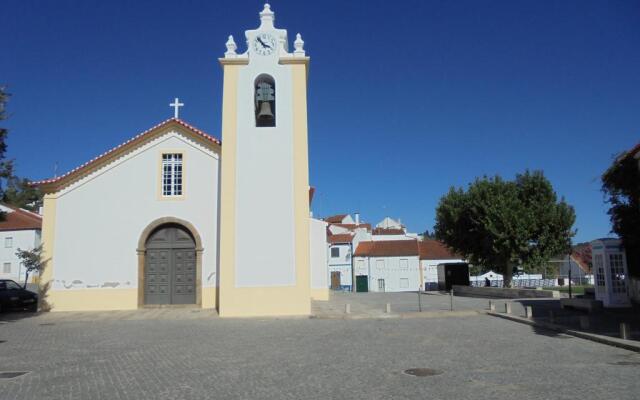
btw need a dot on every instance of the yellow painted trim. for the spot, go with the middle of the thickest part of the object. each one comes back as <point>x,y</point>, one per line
<point>228,184</point>
<point>233,61</point>
<point>93,299</point>
<point>209,297</point>
<point>183,196</point>
<point>48,245</point>
<point>320,294</point>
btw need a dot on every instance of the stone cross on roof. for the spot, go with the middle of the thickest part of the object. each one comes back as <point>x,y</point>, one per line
<point>176,107</point>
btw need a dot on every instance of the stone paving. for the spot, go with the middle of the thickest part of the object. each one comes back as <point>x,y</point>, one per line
<point>182,354</point>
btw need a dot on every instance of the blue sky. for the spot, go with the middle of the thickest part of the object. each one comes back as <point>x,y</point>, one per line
<point>406,98</point>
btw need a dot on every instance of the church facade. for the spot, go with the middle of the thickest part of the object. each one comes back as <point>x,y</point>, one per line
<point>176,217</point>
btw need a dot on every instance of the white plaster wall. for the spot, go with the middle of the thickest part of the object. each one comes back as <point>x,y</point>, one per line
<point>318,254</point>
<point>265,237</point>
<point>393,274</point>
<point>345,274</point>
<point>22,239</point>
<point>100,219</point>
<point>391,237</point>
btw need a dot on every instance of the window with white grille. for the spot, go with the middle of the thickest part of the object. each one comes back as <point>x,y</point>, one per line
<point>8,242</point>
<point>172,174</point>
<point>617,273</point>
<point>404,283</point>
<point>6,268</point>
<point>598,263</point>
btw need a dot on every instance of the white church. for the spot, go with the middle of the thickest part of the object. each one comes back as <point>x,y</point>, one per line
<point>174,216</point>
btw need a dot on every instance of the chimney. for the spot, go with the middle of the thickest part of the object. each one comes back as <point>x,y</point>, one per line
<point>357,215</point>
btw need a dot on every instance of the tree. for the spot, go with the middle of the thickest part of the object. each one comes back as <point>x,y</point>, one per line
<point>506,224</point>
<point>621,186</point>
<point>6,166</point>
<point>21,194</point>
<point>31,260</point>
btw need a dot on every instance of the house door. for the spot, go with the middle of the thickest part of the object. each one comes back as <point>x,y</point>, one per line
<point>362,283</point>
<point>335,280</point>
<point>170,266</point>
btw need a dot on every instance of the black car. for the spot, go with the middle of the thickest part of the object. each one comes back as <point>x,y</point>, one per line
<point>15,297</point>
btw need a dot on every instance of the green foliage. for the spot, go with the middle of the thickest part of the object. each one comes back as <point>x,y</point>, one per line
<point>31,261</point>
<point>621,186</point>
<point>20,193</point>
<point>505,224</point>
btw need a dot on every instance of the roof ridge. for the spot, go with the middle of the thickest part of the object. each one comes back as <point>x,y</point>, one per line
<point>121,145</point>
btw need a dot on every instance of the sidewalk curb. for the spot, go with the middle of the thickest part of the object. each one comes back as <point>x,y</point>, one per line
<point>404,315</point>
<point>615,342</point>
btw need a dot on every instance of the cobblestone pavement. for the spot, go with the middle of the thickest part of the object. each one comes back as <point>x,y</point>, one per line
<point>481,357</point>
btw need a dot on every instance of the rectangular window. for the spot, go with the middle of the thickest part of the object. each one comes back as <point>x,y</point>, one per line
<point>404,283</point>
<point>381,285</point>
<point>6,268</point>
<point>8,242</point>
<point>172,174</point>
<point>335,252</point>
<point>404,263</point>
<point>617,273</point>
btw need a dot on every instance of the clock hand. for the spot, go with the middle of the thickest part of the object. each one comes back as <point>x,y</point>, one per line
<point>264,44</point>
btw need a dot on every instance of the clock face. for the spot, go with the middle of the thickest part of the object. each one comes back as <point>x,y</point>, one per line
<point>264,44</point>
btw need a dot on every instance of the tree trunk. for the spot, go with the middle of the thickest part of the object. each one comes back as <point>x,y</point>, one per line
<point>507,274</point>
<point>26,279</point>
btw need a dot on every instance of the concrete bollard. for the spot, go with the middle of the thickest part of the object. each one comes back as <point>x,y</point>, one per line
<point>507,308</point>
<point>347,309</point>
<point>551,317</point>
<point>528,312</point>
<point>625,330</point>
<point>492,306</point>
<point>584,322</point>
<point>388,308</point>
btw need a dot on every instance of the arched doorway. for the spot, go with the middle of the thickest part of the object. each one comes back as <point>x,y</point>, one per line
<point>170,266</point>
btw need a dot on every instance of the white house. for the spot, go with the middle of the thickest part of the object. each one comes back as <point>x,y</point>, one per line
<point>388,266</point>
<point>21,229</point>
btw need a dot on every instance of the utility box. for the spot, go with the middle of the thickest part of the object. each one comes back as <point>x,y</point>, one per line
<point>611,273</point>
<point>450,274</point>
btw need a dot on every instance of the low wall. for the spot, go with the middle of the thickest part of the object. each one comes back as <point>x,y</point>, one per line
<point>515,293</point>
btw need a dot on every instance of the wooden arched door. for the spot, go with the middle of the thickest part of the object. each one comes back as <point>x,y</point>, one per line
<point>170,266</point>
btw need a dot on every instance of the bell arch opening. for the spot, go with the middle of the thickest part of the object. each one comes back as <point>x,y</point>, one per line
<point>264,96</point>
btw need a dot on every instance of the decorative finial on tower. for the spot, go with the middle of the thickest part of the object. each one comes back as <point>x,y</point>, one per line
<point>267,16</point>
<point>231,48</point>
<point>299,46</point>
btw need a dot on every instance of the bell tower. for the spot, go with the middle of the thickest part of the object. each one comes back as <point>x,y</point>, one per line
<point>264,207</point>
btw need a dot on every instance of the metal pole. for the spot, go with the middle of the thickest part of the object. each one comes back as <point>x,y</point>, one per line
<point>419,301</point>
<point>451,298</point>
<point>569,275</point>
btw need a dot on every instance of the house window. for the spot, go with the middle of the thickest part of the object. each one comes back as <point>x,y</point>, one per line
<point>404,283</point>
<point>404,264</point>
<point>335,252</point>
<point>381,285</point>
<point>617,273</point>
<point>8,242</point>
<point>172,174</point>
<point>599,267</point>
<point>6,268</point>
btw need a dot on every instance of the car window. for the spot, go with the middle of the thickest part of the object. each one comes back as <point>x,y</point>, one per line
<point>11,285</point>
<point>3,286</point>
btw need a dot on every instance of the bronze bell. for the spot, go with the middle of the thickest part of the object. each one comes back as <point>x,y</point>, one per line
<point>265,111</point>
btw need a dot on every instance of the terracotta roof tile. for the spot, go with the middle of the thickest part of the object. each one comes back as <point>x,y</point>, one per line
<point>19,219</point>
<point>435,250</point>
<point>335,219</point>
<point>340,238</point>
<point>387,248</point>
<point>388,231</point>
